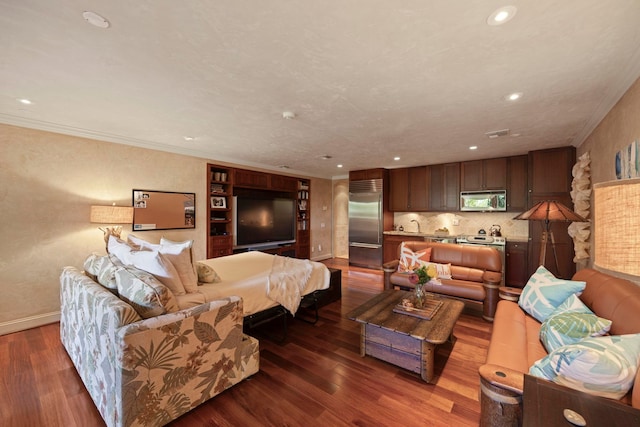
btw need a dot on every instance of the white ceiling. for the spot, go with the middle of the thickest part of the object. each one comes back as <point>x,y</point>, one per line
<point>367,79</point>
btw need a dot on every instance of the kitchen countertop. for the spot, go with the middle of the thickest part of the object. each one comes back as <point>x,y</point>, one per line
<point>416,234</point>
<point>520,239</point>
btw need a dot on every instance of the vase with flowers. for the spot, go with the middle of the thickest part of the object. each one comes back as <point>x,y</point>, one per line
<point>419,277</point>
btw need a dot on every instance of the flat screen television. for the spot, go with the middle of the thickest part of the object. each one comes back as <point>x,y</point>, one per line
<point>263,221</point>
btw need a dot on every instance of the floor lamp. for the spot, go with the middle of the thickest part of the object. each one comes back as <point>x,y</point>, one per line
<point>547,212</point>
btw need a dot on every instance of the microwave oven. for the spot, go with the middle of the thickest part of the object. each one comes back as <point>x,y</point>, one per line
<point>482,201</point>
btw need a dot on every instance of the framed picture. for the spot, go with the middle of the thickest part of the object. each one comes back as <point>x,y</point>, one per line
<point>218,202</point>
<point>163,210</point>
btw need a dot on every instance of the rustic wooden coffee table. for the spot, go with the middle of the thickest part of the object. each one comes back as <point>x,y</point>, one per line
<point>405,341</point>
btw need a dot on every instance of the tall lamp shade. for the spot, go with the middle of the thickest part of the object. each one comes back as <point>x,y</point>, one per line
<point>111,215</point>
<point>546,212</point>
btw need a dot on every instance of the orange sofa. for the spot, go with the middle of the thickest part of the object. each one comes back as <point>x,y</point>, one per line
<point>476,273</point>
<point>515,344</point>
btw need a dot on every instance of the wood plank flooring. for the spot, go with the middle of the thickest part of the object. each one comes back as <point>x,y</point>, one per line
<point>316,377</point>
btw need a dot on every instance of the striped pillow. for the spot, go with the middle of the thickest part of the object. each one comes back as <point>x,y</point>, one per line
<point>410,260</point>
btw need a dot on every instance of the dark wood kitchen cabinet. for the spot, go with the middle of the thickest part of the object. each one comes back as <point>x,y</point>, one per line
<point>515,270</point>
<point>391,243</point>
<point>517,189</point>
<point>550,179</point>
<point>408,189</point>
<point>366,174</point>
<point>444,187</point>
<point>487,174</point>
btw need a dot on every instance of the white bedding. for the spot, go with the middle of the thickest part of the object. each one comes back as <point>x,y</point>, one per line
<point>247,276</point>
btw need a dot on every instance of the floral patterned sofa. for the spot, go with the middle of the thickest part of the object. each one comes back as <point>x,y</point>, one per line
<point>143,360</point>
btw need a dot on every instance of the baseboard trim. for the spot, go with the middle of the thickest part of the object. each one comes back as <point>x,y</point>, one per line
<point>28,322</point>
<point>321,257</point>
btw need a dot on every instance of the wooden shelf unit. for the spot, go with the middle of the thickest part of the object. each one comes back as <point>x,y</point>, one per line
<point>220,211</point>
<point>303,238</point>
<point>222,184</point>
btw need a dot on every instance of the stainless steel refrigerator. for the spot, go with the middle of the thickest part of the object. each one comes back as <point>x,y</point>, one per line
<point>365,223</point>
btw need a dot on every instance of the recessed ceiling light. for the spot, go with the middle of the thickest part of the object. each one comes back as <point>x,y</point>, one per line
<point>283,167</point>
<point>339,166</point>
<point>473,147</point>
<point>95,19</point>
<point>325,157</point>
<point>25,101</point>
<point>513,96</point>
<point>189,138</point>
<point>288,115</point>
<point>502,15</point>
<point>396,158</point>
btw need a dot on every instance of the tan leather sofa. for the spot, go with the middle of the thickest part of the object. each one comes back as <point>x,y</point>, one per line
<point>515,344</point>
<point>476,273</point>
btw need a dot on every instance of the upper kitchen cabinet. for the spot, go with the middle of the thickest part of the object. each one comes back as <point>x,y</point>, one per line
<point>517,183</point>
<point>488,174</point>
<point>444,187</point>
<point>408,189</point>
<point>550,170</point>
<point>366,174</point>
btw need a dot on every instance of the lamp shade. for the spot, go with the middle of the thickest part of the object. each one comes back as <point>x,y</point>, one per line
<point>550,210</point>
<point>112,214</point>
<point>617,226</point>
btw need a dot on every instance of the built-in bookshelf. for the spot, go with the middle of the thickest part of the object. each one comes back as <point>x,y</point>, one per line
<point>220,221</point>
<point>303,238</point>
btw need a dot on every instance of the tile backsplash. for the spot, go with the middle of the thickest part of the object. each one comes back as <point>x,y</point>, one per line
<point>467,222</point>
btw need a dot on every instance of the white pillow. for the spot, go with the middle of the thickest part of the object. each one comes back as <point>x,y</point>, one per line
<point>443,271</point>
<point>148,260</point>
<point>178,253</point>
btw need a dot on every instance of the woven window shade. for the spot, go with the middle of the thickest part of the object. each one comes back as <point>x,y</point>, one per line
<point>112,214</point>
<point>617,226</point>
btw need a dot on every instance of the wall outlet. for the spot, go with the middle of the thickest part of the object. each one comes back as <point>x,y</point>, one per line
<point>319,248</point>
<point>312,248</point>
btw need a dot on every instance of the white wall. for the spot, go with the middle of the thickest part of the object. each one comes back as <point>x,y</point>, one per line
<point>48,183</point>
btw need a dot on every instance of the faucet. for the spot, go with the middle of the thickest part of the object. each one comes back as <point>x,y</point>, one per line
<point>417,223</point>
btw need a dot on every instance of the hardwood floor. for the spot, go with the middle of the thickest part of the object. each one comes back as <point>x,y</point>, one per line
<point>316,377</point>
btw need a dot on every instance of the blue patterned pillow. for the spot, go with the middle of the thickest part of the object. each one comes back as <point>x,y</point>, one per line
<point>602,366</point>
<point>570,327</point>
<point>544,292</point>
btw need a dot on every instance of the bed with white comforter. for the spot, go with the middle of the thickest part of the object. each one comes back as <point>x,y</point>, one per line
<point>262,281</point>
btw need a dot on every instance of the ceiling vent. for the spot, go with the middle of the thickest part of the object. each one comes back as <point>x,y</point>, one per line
<point>497,133</point>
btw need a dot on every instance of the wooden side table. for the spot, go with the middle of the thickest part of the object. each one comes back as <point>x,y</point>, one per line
<point>509,293</point>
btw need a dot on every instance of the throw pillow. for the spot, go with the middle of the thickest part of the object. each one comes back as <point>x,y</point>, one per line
<point>150,261</point>
<point>602,366</point>
<point>570,327</point>
<point>102,270</point>
<point>178,253</point>
<point>206,273</point>
<point>410,260</point>
<point>443,271</point>
<point>544,292</point>
<point>144,292</point>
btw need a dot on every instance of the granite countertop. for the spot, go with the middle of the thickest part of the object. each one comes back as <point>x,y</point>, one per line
<point>415,233</point>
<point>522,239</point>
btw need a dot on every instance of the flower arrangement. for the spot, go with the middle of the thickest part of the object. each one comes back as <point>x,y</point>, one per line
<point>423,274</point>
<point>419,277</point>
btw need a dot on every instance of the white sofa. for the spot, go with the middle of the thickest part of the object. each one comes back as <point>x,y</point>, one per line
<point>143,360</point>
